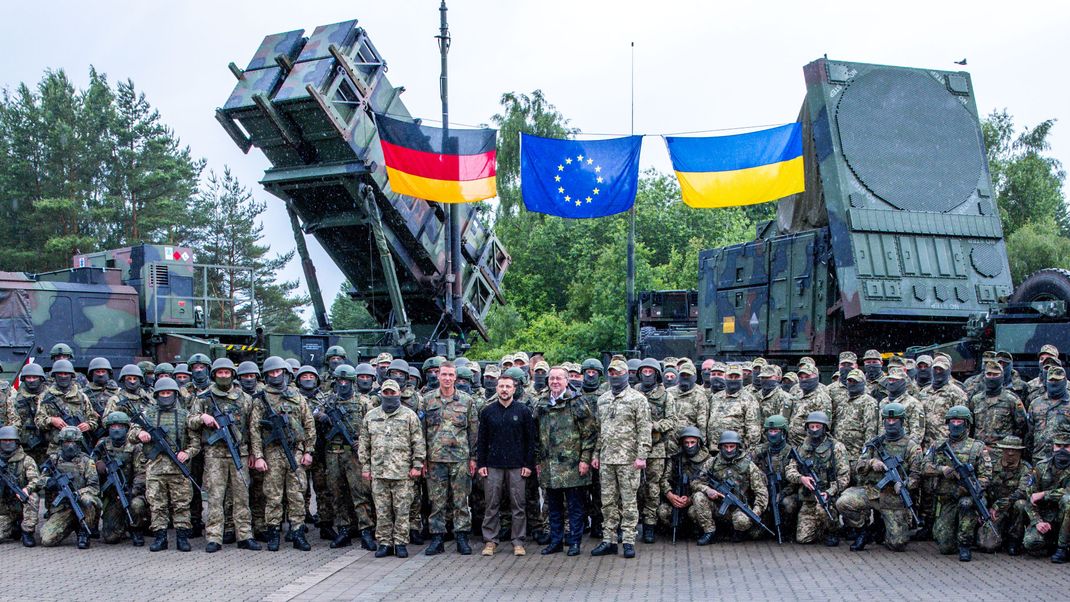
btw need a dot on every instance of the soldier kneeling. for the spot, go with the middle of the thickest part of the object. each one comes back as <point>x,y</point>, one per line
<point>18,492</point>
<point>682,483</point>
<point>733,472</point>
<point>121,466</point>
<point>72,493</point>
<point>1049,503</point>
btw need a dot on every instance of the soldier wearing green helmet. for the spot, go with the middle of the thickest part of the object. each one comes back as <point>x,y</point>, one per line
<point>772,456</point>
<point>829,462</point>
<point>200,366</point>
<point>117,451</point>
<point>101,389</point>
<point>22,411</point>
<point>63,351</point>
<point>23,471</point>
<point>64,399</point>
<point>131,397</point>
<point>334,357</point>
<point>69,460</point>
<point>690,463</point>
<point>1047,510</point>
<point>430,368</point>
<point>733,464</point>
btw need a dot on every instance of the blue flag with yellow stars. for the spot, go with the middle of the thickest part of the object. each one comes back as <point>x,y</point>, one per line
<point>579,178</point>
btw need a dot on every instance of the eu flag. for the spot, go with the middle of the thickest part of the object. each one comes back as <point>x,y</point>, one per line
<point>579,178</point>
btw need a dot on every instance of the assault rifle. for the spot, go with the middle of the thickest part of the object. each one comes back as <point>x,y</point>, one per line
<point>162,444</point>
<point>729,498</point>
<point>277,423</point>
<point>61,482</point>
<point>116,480</point>
<point>224,432</point>
<point>806,467</point>
<point>968,480</point>
<point>10,483</point>
<point>682,488</point>
<point>773,477</point>
<point>893,473</point>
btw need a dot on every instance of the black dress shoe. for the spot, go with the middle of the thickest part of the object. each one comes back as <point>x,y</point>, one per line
<point>553,548</point>
<point>574,550</point>
<point>604,549</point>
<point>383,551</point>
<point>629,550</point>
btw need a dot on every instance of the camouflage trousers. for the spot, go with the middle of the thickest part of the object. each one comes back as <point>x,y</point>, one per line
<point>417,507</point>
<point>813,523</point>
<point>448,486</point>
<point>196,504</point>
<point>393,499</point>
<point>223,483</point>
<point>61,522</point>
<point>737,521</point>
<point>1009,526</point>
<point>1035,542</point>
<point>854,506</point>
<point>477,500</point>
<point>789,515</point>
<point>650,493</point>
<point>620,510</point>
<point>956,523</point>
<point>283,485</point>
<point>15,515</point>
<point>319,481</point>
<point>113,521</point>
<point>257,501</point>
<point>700,513</point>
<point>351,495</point>
<point>169,496</point>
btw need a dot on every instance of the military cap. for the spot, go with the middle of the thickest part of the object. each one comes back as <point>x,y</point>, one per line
<point>807,369</point>
<point>1052,361</point>
<point>473,366</point>
<point>617,356</point>
<point>790,377</point>
<point>506,359</point>
<point>1052,349</point>
<point>691,431</point>
<point>1061,438</point>
<point>942,354</point>
<point>1056,373</point>
<point>542,365</point>
<point>687,367</point>
<point>806,359</point>
<point>872,354</point>
<point>736,369</point>
<point>924,359</point>
<point>848,356</point>
<point>942,362</point>
<point>908,363</point>
<point>719,367</point>
<point>618,366</point>
<point>1010,442</point>
<point>993,367</point>
<point>988,356</point>
<point>391,385</point>
<point>896,360</point>
<point>70,433</point>
<point>520,356</point>
<point>492,370</point>
<point>897,372</point>
<point>769,371</point>
<point>571,367</point>
<point>758,362</point>
<point>383,357</point>
<point>856,375</point>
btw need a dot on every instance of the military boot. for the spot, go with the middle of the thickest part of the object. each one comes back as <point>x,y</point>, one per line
<point>28,540</point>
<point>196,531</point>
<point>229,537</point>
<point>212,547</point>
<point>182,540</point>
<point>648,533</point>
<point>367,539</point>
<point>964,554</point>
<point>604,549</point>
<point>629,550</point>
<point>416,537</point>
<point>463,548</point>
<point>273,539</point>
<point>83,539</point>
<point>327,531</point>
<point>861,539</point>
<point>401,551</point>
<point>1061,555</point>
<point>300,543</point>
<point>383,551</point>
<point>435,547</point>
<point>249,544</point>
<point>1014,549</point>
<point>160,543</point>
<point>341,539</point>
<point>705,539</point>
<point>831,541</point>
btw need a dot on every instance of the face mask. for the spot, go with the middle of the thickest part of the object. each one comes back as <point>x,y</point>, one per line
<point>1007,376</point>
<point>912,373</point>
<point>413,382</point>
<point>526,370</point>
<point>182,379</point>
<point>69,451</point>
<point>1056,389</point>
<point>732,386</point>
<point>769,385</point>
<point>432,380</point>
<point>33,386</point>
<point>539,381</point>
<point>591,381</point>
<point>873,371</point>
<point>463,385</point>
<point>131,387</point>
<point>490,383</point>
<point>925,376</point>
<point>893,431</point>
<point>717,383</point>
<point>334,362</point>
<point>730,455</point>
<point>399,377</point>
<point>276,382</point>
<point>854,389</point>
<point>670,379</point>
<point>786,385</point>
<point>993,385</point>
<point>843,374</point>
<point>633,378</point>
<point>247,384</point>
<point>63,381</point>
<point>8,447</point>
<point>165,401</point>
<point>225,382</point>
<point>776,442</point>
<point>344,388</point>
<point>150,380</point>
<point>940,378</point>
<point>380,374</point>
<point>307,386</point>
<point>100,380</point>
<point>118,434</point>
<point>748,379</point>
<point>648,381</point>
<point>957,431</point>
<point>575,383</point>
<point>691,450</point>
<point>618,383</point>
<point>391,403</point>
<point>200,376</point>
<point>896,388</point>
<point>816,435</point>
<point>364,385</point>
<point>808,385</point>
<point>687,382</point>
<point>1061,459</point>
<point>706,378</point>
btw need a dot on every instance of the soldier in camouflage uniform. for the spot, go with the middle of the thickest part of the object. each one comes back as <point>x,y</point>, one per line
<point>590,390</point>
<point>566,436</point>
<point>100,390</point>
<point>168,492</point>
<point>22,470</point>
<point>772,457</point>
<point>537,389</point>
<point>382,368</point>
<point>131,398</point>
<point>691,461</point>
<point>200,366</point>
<point>838,390</point>
<point>22,412</point>
<point>773,399</point>
<point>623,445</point>
<point>451,426</point>
<point>976,383</point>
<point>414,378</point>
<point>692,405</point>
<point>997,412</point>
<point>350,492</point>
<point>1047,491</point>
<point>896,385</point>
<point>664,423</point>
<point>812,399</point>
<point>856,419</point>
<point>937,398</point>
<point>956,520</point>
<point>398,371</point>
<point>184,379</point>
<point>308,385</point>
<point>392,452</point>
<point>63,352</point>
<point>334,357</point>
<point>117,446</point>
<point>856,502</point>
<point>225,483</point>
<point>1049,413</point>
<point>1007,500</point>
<point>873,367</point>
<point>832,467</point>
<point>734,410</point>
<point>64,398</point>
<point>281,481</point>
<point>732,464</point>
<point>1049,354</point>
<point>924,372</point>
<point>69,459</point>
<point>1012,381</point>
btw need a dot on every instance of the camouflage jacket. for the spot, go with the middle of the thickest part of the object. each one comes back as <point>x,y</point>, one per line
<point>1054,483</point>
<point>694,467</point>
<point>737,413</point>
<point>1005,487</point>
<point>831,465</point>
<point>352,412</point>
<point>132,463</point>
<point>837,394</point>
<point>624,427</point>
<point>875,388</point>
<point>236,404</point>
<point>100,398</point>
<point>7,398</point>
<point>74,403</point>
<point>451,427</point>
<point>969,451</point>
<point>996,417</point>
<point>566,433</point>
<point>762,456</point>
<point>391,444</point>
<point>1046,417</point>
<point>692,409</point>
<point>82,471</point>
<point>914,424</point>
<point>131,405</point>
<point>936,403</point>
<point>815,401</point>
<point>909,453</point>
<point>23,470</point>
<point>22,413</point>
<point>663,420</point>
<point>856,421</point>
<point>300,427</point>
<point>748,479</point>
<point>775,402</point>
<point>175,423</point>
<point>315,400</point>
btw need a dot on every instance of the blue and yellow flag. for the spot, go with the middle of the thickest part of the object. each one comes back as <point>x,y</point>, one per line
<point>579,178</point>
<point>726,171</point>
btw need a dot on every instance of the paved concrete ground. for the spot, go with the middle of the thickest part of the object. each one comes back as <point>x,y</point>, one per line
<point>747,571</point>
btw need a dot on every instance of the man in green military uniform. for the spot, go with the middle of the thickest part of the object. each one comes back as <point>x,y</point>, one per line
<point>334,357</point>
<point>129,460</point>
<point>1049,413</point>
<point>856,502</point>
<point>1049,355</point>
<point>131,398</point>
<point>873,367</point>
<point>773,399</point>
<point>1048,509</point>
<point>70,461</point>
<point>398,371</point>
<point>957,520</point>
<point>64,399</point>
<point>22,470</point>
<point>623,446</point>
<point>63,352</point>
<point>937,398</point>
<point>100,390</point>
<point>692,405</point>
<point>382,368</point>
<point>308,385</point>
<point>567,434</point>
<point>392,453</point>
<point>663,424</point>
<point>811,399</point>
<point>996,411</point>
<point>856,419</point>
<point>1007,500</point>
<point>732,464</point>
<point>591,388</point>
<point>896,385</point>
<point>690,463</point>
<point>831,465</point>
<point>734,410</point>
<point>282,481</point>
<point>22,412</point>
<point>772,457</point>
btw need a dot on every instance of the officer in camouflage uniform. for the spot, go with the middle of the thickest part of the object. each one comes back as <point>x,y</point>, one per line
<point>22,469</point>
<point>392,452</point>
<point>64,397</point>
<point>812,399</point>
<point>664,423</point>
<point>937,398</point>
<point>873,367</point>
<point>22,412</point>
<point>117,446</point>
<point>70,460</point>
<point>623,446</point>
<point>856,418</point>
<point>956,520</point>
<point>63,352</point>
<point>308,385</point>
<point>692,405</point>
<point>225,483</point>
<point>693,460</point>
<point>451,427</point>
<point>1047,491</point>
<point>1049,354</point>
<point>350,492</point>
<point>734,410</point>
<point>856,502</point>
<point>773,399</point>
<point>590,390</point>
<point>1049,413</point>
<point>832,467</point>
<point>732,464</point>
<point>334,357</point>
<point>398,371</point>
<point>281,481</point>
<point>1007,500</point>
<point>996,411</point>
<point>100,390</point>
<point>772,457</point>
<point>838,390</point>
<point>896,385</point>
<point>200,366</point>
<point>131,398</point>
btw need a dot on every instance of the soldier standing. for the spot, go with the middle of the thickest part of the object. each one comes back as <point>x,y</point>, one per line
<point>63,352</point>
<point>896,385</point>
<point>131,397</point>
<point>829,461</point>
<point>924,375</point>
<point>734,410</point>
<point>334,357</point>
<point>996,411</point>
<point>1049,413</point>
<point>856,413</point>
<point>21,469</point>
<point>129,461</point>
<point>567,433</point>
<point>100,390</point>
<point>773,399</point>
<point>281,421</point>
<point>69,461</point>
<point>838,390</point>
<point>937,398</point>
<point>623,445</point>
<point>732,465</point>
<point>392,453</point>
<point>308,385</point>
<point>65,399</point>
<point>690,463</point>
<point>1007,499</point>
<point>663,421</point>
<point>22,412</point>
<point>692,405</point>
<point>812,399</point>
<point>590,390</point>
<point>1048,512</point>
<point>1049,354</point>
<point>451,426</point>
<point>873,367</point>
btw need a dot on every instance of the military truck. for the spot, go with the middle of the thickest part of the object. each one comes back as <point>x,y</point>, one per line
<point>895,243</point>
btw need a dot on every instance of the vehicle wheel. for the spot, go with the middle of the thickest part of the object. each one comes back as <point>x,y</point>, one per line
<point>1049,284</point>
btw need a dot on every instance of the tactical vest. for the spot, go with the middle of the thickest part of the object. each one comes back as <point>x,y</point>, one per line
<point>226,405</point>
<point>173,422</point>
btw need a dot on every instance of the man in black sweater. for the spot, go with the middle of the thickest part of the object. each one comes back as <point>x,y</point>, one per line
<point>505,457</point>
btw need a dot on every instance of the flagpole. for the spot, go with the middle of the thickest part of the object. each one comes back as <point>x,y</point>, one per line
<point>452,231</point>
<point>630,305</point>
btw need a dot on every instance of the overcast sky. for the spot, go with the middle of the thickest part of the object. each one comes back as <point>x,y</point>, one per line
<point>698,65</point>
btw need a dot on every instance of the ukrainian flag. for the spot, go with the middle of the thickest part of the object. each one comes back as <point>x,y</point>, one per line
<point>726,171</point>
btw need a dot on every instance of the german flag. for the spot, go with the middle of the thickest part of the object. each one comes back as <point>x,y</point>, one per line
<point>421,164</point>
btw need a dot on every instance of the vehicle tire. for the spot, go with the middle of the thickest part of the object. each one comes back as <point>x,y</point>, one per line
<point>1049,284</point>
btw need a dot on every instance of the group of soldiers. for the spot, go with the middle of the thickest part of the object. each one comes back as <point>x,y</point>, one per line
<point>893,449</point>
